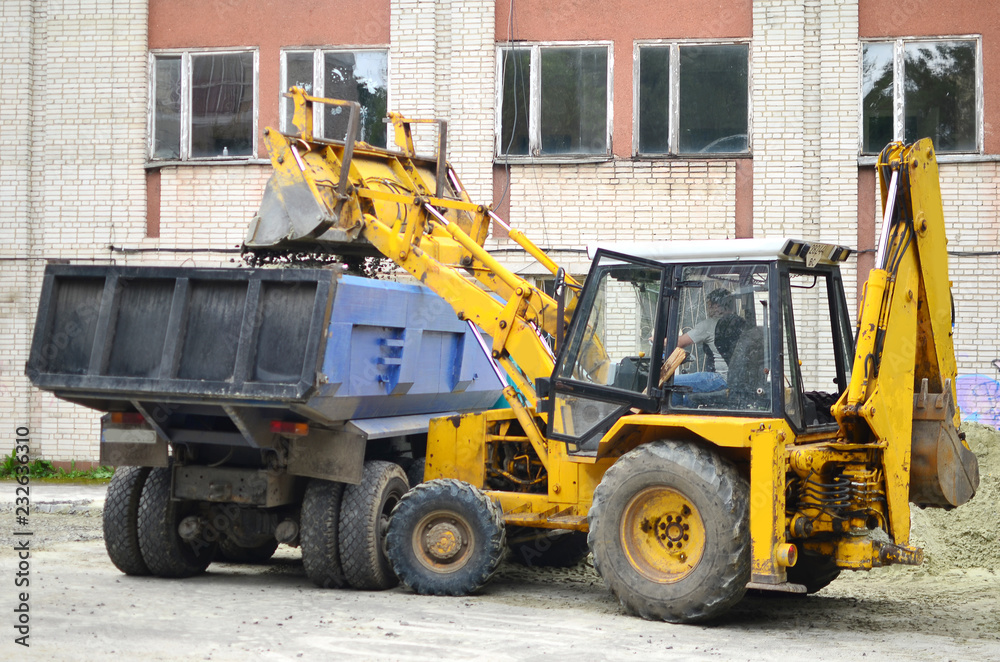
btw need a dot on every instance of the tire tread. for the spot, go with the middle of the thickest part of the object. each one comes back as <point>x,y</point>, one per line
<point>362,558</point>
<point>481,513</point>
<point>163,550</point>
<point>723,480</point>
<point>319,533</point>
<point>121,520</point>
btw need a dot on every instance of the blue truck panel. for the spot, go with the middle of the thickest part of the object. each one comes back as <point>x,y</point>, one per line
<point>396,349</point>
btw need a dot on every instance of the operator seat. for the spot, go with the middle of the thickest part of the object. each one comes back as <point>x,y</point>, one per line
<point>746,383</point>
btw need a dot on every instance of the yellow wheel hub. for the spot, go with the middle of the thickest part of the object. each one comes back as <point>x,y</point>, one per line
<point>443,542</point>
<point>662,534</point>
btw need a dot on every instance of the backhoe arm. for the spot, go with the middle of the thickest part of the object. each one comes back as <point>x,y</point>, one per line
<point>901,397</point>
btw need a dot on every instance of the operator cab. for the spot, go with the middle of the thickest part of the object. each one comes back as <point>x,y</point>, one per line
<point>764,323</point>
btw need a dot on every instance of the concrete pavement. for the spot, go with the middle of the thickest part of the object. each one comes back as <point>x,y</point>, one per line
<point>60,498</point>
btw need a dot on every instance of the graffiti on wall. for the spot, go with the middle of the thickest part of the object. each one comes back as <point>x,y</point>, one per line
<point>979,397</point>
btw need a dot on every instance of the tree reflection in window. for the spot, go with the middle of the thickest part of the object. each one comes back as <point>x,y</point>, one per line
<point>361,75</point>
<point>938,94</point>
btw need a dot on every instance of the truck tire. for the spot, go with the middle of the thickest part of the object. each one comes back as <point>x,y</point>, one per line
<point>319,533</point>
<point>163,550</point>
<point>669,529</point>
<point>364,519</point>
<point>813,571</point>
<point>546,548</point>
<point>415,472</point>
<point>121,520</point>
<point>445,538</point>
<point>230,552</point>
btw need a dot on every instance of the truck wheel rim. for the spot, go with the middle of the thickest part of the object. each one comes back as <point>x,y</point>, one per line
<point>443,541</point>
<point>662,534</point>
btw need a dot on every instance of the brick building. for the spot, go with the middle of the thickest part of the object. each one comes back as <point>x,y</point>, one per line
<point>130,131</point>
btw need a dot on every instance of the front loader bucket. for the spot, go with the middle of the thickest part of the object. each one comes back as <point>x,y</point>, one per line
<point>321,190</point>
<point>288,211</point>
<point>290,214</point>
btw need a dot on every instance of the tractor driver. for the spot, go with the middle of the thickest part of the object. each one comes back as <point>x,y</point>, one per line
<point>728,331</point>
<point>718,304</point>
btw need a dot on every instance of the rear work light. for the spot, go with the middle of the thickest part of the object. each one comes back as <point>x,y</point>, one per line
<point>127,418</point>
<point>290,429</point>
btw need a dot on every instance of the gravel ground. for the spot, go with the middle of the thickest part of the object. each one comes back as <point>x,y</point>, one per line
<point>83,608</point>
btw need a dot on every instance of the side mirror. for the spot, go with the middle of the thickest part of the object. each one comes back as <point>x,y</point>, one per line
<point>560,293</point>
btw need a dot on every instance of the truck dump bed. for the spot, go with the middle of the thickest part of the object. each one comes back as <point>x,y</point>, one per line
<point>330,348</point>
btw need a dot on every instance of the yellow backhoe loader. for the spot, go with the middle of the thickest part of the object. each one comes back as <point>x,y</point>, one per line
<point>708,419</point>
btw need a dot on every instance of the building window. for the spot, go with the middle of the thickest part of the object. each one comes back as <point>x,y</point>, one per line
<point>203,105</point>
<point>359,75</point>
<point>921,88</point>
<point>554,101</point>
<point>691,99</point>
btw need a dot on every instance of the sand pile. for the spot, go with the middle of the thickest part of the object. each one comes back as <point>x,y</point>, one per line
<point>966,537</point>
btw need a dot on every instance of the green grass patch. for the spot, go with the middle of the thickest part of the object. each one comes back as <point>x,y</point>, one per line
<point>44,471</point>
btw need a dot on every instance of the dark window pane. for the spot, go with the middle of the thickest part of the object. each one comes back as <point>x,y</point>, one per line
<point>222,104</point>
<point>713,98</point>
<point>940,94</point>
<point>298,73</point>
<point>516,85</point>
<point>654,99</point>
<point>167,108</point>
<point>876,97</point>
<point>574,114</point>
<point>363,77</point>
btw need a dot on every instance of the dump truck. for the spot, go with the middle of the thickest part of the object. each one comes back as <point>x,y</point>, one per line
<point>689,483</point>
<point>242,406</point>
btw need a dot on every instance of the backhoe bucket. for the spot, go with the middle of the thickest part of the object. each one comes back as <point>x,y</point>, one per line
<point>944,472</point>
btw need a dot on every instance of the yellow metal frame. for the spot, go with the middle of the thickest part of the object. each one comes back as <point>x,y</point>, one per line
<point>419,216</point>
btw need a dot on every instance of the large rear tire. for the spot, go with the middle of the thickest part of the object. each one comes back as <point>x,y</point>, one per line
<point>546,548</point>
<point>445,538</point>
<point>415,472</point>
<point>163,550</point>
<point>364,519</point>
<point>669,529</point>
<point>319,533</point>
<point>121,520</point>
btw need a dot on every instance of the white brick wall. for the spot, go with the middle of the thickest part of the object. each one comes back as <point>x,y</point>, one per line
<point>72,134</point>
<point>16,27</point>
<point>971,197</point>
<point>413,63</point>
<point>804,58</point>
<point>564,207</point>
<point>442,67</point>
<point>805,66</point>
<point>208,207</point>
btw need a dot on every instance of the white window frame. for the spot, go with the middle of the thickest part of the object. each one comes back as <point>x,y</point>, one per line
<point>898,93</point>
<point>535,104</point>
<point>673,138</point>
<point>185,137</point>
<point>319,81</point>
